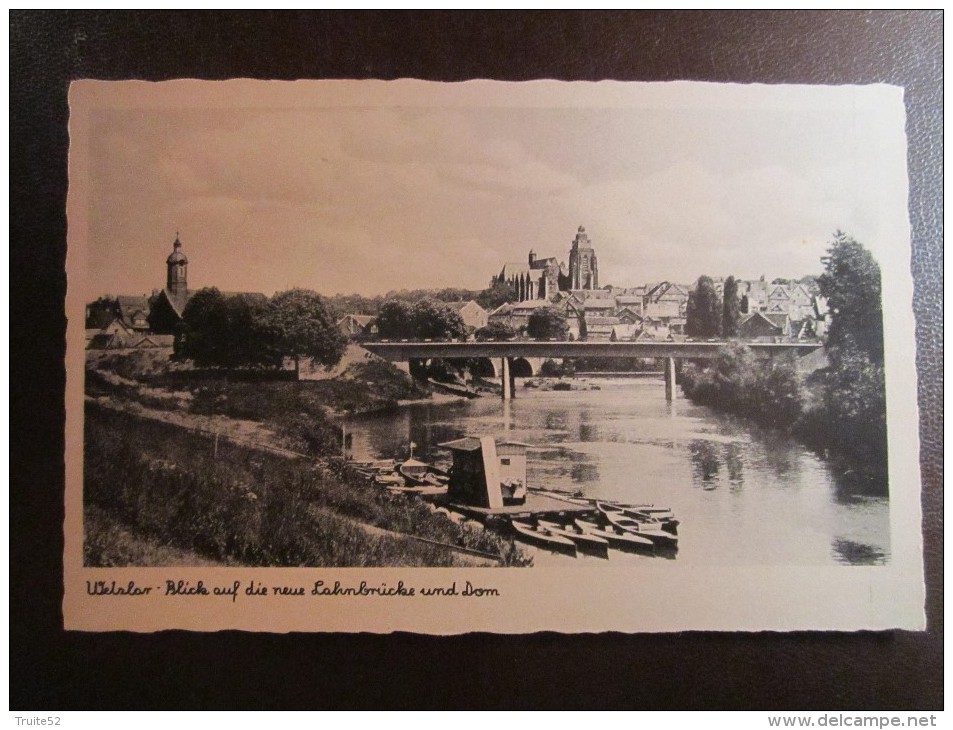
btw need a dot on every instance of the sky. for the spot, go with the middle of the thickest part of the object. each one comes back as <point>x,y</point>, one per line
<point>367,187</point>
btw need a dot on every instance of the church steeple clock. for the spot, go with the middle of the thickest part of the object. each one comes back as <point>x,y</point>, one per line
<point>176,282</point>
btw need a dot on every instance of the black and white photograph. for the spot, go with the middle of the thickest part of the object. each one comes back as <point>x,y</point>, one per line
<point>581,343</point>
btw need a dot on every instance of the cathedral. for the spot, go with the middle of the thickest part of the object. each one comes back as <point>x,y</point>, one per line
<point>542,278</point>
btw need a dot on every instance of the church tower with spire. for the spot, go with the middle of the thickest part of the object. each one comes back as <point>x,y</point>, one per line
<point>583,266</point>
<point>177,280</point>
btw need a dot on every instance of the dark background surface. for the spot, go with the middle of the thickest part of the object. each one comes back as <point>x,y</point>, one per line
<point>53,669</point>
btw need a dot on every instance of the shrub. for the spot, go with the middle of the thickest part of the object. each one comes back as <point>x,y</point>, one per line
<point>767,391</point>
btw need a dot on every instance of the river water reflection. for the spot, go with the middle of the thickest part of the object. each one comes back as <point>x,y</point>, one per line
<point>744,495</point>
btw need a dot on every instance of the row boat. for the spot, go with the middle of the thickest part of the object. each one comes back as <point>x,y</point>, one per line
<point>648,513</point>
<point>542,537</point>
<point>419,474</point>
<point>650,529</point>
<point>390,480</point>
<point>588,543</point>
<point>639,512</point>
<point>620,540</point>
<point>424,491</point>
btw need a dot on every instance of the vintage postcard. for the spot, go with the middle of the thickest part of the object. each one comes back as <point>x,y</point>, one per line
<point>509,357</point>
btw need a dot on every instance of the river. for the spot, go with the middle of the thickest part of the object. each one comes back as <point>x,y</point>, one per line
<point>744,495</point>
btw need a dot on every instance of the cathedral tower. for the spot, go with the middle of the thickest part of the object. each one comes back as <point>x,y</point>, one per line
<point>176,281</point>
<point>583,267</point>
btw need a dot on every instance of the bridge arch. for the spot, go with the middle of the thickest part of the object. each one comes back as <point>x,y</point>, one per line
<point>485,367</point>
<point>521,367</point>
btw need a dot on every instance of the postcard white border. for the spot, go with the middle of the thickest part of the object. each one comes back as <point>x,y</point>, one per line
<point>671,597</point>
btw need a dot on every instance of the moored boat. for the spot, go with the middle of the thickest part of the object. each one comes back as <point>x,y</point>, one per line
<point>620,540</point>
<point>650,529</point>
<point>649,513</point>
<point>588,543</point>
<point>543,538</point>
<point>419,474</point>
<point>424,491</point>
<point>390,480</point>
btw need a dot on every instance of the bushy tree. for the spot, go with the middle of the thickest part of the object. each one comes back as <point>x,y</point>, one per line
<point>205,320</point>
<point>852,415</point>
<point>734,376</point>
<point>547,323</point>
<point>851,284</point>
<point>227,332</point>
<point>495,331</point>
<point>776,396</point>
<point>303,326</point>
<point>394,320</point>
<point>855,407</point>
<point>704,311</point>
<point>497,295</point>
<point>343,304</point>
<point>731,308</point>
<point>431,320</point>
<point>766,390</point>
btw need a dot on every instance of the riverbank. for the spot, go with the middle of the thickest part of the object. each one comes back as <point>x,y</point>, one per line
<point>838,411</point>
<point>186,473</point>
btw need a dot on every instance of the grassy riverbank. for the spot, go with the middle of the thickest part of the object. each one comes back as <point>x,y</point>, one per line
<point>299,414</point>
<point>158,493</point>
<point>184,467</point>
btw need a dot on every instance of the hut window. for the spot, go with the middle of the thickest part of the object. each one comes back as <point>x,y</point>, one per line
<point>505,462</point>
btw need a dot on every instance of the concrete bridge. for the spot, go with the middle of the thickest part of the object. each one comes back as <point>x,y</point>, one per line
<point>524,357</point>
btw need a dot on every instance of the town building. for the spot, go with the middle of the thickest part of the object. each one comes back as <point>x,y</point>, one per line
<point>543,278</point>
<point>535,279</point>
<point>473,315</point>
<point>357,326</point>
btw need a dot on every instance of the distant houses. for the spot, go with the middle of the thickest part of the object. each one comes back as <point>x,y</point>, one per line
<point>657,311</point>
<point>357,326</point>
<point>780,310</point>
<point>473,315</point>
<point>141,321</point>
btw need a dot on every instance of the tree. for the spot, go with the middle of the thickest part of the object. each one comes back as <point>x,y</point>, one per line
<point>204,339</point>
<point>229,332</point>
<point>303,326</point>
<point>431,320</point>
<point>580,315</point>
<point>495,331</point>
<point>703,315</point>
<point>251,336</point>
<point>498,294</point>
<point>851,284</point>
<point>547,323</point>
<point>353,304</point>
<point>394,320</point>
<point>730,312</point>
<point>854,408</point>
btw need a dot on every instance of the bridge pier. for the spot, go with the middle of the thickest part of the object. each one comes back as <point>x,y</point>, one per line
<point>670,378</point>
<point>507,379</point>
